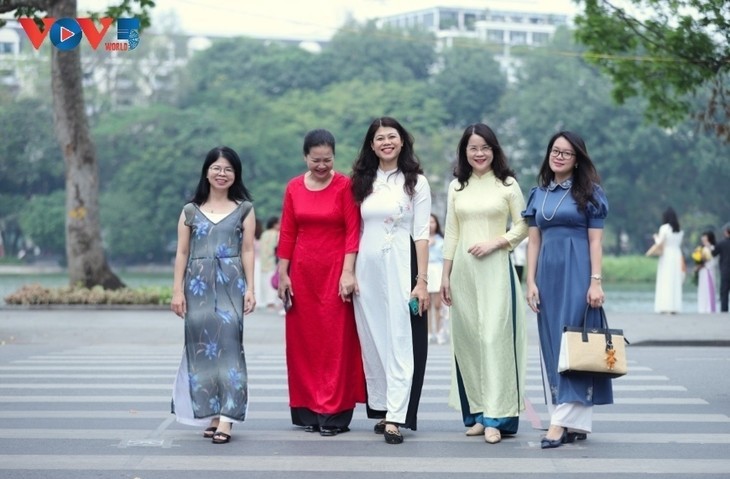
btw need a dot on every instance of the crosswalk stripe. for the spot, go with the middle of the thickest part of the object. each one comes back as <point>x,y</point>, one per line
<point>369,463</point>
<point>293,434</point>
<point>283,414</point>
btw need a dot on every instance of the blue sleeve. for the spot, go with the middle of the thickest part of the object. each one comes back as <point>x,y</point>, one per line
<point>530,209</point>
<point>597,211</point>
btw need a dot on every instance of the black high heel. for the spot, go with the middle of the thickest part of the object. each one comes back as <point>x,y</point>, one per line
<point>546,443</point>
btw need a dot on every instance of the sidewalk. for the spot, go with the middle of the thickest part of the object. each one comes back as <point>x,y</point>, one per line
<point>264,331</point>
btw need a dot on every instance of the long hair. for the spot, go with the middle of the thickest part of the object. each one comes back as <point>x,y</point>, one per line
<point>670,216</point>
<point>438,224</point>
<point>585,175</point>
<point>237,192</point>
<point>366,165</point>
<point>710,237</point>
<point>463,170</point>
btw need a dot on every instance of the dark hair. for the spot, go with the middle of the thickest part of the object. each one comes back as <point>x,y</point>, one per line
<point>463,170</point>
<point>584,173</point>
<point>259,229</point>
<point>271,222</point>
<point>710,237</point>
<point>237,192</point>
<point>438,224</point>
<point>726,228</point>
<point>670,216</point>
<point>318,137</point>
<point>366,165</point>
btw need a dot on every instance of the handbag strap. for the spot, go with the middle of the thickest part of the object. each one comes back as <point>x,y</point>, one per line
<point>604,326</point>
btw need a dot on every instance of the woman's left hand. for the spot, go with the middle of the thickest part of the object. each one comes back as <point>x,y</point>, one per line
<point>348,286</point>
<point>249,302</point>
<point>595,296</point>
<point>483,249</point>
<point>421,292</point>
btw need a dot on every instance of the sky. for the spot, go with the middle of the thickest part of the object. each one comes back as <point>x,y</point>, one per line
<point>300,19</point>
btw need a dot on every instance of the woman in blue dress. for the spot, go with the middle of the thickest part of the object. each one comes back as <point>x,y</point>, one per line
<point>565,214</point>
<point>212,290</point>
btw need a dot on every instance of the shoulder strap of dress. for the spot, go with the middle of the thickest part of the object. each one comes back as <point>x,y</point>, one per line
<point>189,210</point>
<point>246,207</point>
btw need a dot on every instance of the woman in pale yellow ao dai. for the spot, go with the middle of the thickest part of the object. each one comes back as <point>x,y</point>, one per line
<point>480,284</point>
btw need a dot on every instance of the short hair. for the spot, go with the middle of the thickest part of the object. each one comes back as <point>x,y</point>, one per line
<point>726,227</point>
<point>318,137</point>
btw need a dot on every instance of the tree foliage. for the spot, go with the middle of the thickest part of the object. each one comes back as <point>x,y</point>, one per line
<point>470,83</point>
<point>260,98</point>
<point>673,53</point>
<point>644,168</point>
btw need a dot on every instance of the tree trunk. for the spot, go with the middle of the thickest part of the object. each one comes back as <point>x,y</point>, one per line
<point>87,264</point>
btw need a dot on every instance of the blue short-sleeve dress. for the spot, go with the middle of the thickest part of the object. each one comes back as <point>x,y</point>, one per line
<point>563,278</point>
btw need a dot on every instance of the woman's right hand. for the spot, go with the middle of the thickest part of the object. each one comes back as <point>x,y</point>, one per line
<point>284,284</point>
<point>445,291</point>
<point>533,297</point>
<point>178,305</point>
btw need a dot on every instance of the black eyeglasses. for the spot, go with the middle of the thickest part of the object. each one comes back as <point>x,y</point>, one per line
<point>566,155</point>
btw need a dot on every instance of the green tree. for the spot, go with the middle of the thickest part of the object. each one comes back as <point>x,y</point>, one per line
<point>675,54</point>
<point>470,83</point>
<point>235,64</point>
<point>643,168</point>
<point>371,54</point>
<point>30,162</point>
<point>42,221</point>
<point>87,263</point>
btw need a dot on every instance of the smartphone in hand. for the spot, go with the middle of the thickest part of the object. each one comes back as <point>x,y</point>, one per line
<point>287,300</point>
<point>413,304</point>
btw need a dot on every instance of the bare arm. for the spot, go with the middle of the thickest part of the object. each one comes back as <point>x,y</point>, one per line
<point>247,258</point>
<point>178,304</point>
<point>421,291</point>
<point>595,296</point>
<point>533,250</point>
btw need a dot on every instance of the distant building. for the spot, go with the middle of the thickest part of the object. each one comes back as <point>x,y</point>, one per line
<point>502,28</point>
<point>111,79</point>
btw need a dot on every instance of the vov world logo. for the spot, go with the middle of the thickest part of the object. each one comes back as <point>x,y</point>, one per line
<point>66,33</point>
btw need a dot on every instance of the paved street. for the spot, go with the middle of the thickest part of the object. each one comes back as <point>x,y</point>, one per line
<point>86,394</point>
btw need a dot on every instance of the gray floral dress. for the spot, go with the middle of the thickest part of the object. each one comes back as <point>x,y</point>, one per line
<point>212,379</point>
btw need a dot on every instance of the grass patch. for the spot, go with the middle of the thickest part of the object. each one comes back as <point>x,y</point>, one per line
<point>629,269</point>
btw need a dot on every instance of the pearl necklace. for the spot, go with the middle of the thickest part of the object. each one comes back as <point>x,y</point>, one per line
<point>556,207</point>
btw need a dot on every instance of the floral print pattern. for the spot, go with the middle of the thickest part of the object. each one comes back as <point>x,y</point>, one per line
<point>215,284</point>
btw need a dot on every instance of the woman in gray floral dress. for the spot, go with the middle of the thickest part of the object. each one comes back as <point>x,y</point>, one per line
<point>212,290</point>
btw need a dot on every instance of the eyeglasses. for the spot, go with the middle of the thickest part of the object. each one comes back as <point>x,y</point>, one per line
<point>217,170</point>
<point>566,155</point>
<point>474,149</point>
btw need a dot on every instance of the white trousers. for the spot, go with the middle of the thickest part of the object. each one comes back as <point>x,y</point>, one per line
<point>574,416</point>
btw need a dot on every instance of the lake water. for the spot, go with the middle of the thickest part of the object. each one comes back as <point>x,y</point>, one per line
<point>619,297</point>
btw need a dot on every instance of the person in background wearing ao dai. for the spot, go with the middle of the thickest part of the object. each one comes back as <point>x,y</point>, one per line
<point>669,275</point>
<point>212,290</point>
<point>318,241</point>
<point>480,285</point>
<point>267,256</point>
<point>391,270</point>
<point>707,275</point>
<point>566,214</point>
<point>436,327</point>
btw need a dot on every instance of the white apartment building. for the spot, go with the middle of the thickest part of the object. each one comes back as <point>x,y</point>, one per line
<point>501,28</point>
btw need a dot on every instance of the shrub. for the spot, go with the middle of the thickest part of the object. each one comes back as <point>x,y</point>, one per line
<point>35,294</point>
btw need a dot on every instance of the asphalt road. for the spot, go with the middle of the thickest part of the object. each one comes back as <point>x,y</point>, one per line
<point>86,394</point>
